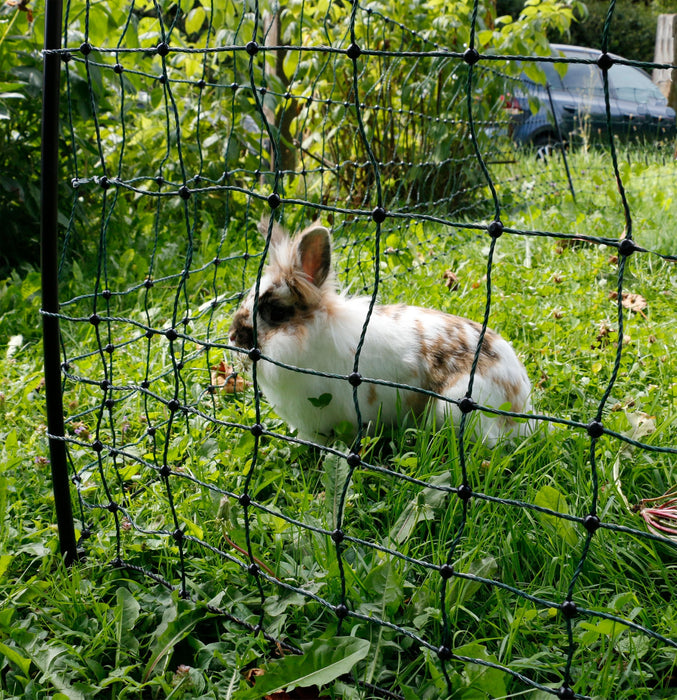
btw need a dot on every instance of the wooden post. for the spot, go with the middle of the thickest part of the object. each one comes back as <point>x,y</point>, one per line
<point>666,52</point>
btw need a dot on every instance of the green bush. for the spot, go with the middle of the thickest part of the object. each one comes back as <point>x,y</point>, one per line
<point>632,30</point>
<point>415,111</point>
<point>20,118</point>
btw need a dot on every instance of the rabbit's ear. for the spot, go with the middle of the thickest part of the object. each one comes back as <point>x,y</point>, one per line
<point>278,234</point>
<point>314,253</point>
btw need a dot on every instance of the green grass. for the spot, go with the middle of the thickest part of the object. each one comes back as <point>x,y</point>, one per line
<point>97,631</point>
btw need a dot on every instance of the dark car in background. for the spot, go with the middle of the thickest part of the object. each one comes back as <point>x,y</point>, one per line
<point>573,104</point>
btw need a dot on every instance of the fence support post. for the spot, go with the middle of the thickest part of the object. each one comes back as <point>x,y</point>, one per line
<point>49,186</point>
<point>666,52</point>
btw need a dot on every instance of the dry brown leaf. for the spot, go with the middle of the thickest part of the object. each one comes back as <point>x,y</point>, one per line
<point>642,424</point>
<point>22,6</point>
<point>450,280</point>
<point>631,301</point>
<point>251,674</point>
<point>225,378</point>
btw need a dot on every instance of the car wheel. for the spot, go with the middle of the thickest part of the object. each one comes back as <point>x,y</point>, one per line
<point>545,145</point>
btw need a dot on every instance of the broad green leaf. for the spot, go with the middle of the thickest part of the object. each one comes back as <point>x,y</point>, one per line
<point>195,19</point>
<point>170,636</point>
<point>126,615</point>
<point>413,514</point>
<point>385,585</point>
<point>13,656</point>
<point>334,475</point>
<point>30,285</point>
<point>421,508</point>
<point>561,68</point>
<point>534,72</point>
<point>51,660</point>
<point>5,560</point>
<point>463,589</point>
<point>323,661</point>
<point>551,498</point>
<point>484,36</point>
<point>487,681</point>
<point>6,616</point>
<point>633,645</point>
<point>192,528</point>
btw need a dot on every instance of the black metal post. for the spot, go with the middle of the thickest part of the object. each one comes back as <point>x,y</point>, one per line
<point>49,185</point>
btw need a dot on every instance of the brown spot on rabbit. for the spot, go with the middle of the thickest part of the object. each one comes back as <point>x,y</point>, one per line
<point>513,393</point>
<point>393,311</point>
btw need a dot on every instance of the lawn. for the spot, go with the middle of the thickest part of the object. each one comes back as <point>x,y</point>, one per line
<point>220,570</point>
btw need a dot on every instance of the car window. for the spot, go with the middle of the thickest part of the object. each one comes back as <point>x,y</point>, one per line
<point>552,76</point>
<point>633,85</point>
<point>584,79</point>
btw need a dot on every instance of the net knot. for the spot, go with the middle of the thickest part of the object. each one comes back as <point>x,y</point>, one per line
<point>627,247</point>
<point>471,56</point>
<point>446,571</point>
<point>605,61</point>
<point>466,404</point>
<point>595,429</point>
<point>379,215</point>
<point>569,609</point>
<point>354,52</point>
<point>591,523</point>
<point>354,460</point>
<point>464,492</point>
<point>444,653</point>
<point>495,228</point>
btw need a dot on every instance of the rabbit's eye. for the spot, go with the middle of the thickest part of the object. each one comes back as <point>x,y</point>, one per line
<point>274,312</point>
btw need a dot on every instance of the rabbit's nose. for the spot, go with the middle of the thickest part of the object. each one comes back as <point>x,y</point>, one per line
<point>242,336</point>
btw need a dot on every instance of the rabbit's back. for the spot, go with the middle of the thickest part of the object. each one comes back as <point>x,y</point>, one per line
<point>404,346</point>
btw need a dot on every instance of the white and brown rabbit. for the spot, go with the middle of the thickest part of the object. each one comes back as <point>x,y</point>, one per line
<point>303,321</point>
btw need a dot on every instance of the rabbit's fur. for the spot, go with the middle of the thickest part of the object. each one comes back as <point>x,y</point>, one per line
<point>303,321</point>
